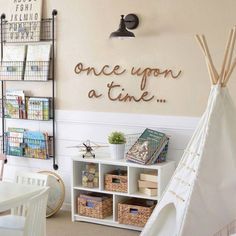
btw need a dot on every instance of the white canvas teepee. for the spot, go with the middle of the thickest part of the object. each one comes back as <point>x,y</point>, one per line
<point>201,196</point>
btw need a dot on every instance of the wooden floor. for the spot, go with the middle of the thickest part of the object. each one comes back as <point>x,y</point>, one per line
<point>61,225</point>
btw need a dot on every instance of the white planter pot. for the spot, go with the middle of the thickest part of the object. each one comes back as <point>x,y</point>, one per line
<point>117,151</point>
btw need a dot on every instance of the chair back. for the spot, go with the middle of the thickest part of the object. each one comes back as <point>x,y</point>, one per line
<point>35,222</point>
<point>2,162</point>
<point>28,178</point>
<point>31,178</point>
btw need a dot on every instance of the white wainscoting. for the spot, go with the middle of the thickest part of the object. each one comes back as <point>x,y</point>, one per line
<point>74,127</point>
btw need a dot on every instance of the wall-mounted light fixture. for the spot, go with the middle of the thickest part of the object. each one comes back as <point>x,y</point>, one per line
<point>131,21</point>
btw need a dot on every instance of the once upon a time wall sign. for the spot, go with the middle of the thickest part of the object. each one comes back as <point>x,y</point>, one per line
<point>116,92</point>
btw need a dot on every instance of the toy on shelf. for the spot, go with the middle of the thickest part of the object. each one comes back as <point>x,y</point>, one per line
<point>90,176</point>
<point>87,148</point>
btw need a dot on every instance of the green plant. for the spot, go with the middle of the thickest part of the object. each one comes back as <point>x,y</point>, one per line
<point>116,138</point>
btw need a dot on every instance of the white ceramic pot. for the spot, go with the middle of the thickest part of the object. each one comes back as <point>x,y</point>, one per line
<point>117,151</point>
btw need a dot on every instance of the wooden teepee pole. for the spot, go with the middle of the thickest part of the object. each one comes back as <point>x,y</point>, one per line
<point>207,59</point>
<point>229,73</point>
<point>211,68</point>
<point>225,58</point>
<point>216,75</point>
<point>228,67</point>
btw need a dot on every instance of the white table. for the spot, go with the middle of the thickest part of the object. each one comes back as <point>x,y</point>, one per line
<point>13,194</point>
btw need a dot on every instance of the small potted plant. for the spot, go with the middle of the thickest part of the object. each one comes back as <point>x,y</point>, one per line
<point>117,145</point>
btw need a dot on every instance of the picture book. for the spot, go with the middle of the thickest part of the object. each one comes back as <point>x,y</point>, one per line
<point>15,141</point>
<point>37,108</point>
<point>148,147</point>
<point>12,65</point>
<point>37,62</point>
<point>36,144</point>
<point>15,104</point>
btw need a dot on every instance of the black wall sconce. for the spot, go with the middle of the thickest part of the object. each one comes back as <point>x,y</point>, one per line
<point>131,21</point>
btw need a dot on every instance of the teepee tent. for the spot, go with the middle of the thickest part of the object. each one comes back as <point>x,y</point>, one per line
<point>200,199</point>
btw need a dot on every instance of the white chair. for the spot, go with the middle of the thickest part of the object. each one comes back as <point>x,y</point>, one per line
<point>2,162</point>
<point>31,222</point>
<point>31,178</point>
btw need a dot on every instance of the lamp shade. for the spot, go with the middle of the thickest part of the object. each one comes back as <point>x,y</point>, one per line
<point>122,31</point>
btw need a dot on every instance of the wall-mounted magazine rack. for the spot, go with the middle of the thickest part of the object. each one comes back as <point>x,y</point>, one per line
<point>27,31</point>
<point>31,108</point>
<point>25,70</point>
<point>38,148</point>
<point>31,33</point>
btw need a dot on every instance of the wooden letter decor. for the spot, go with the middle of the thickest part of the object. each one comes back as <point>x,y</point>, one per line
<point>104,71</point>
<point>116,92</point>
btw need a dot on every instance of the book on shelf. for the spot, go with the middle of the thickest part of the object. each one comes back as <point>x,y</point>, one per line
<point>12,65</point>
<point>24,22</point>
<point>38,108</point>
<point>15,104</point>
<point>36,144</point>
<point>15,141</point>
<point>148,147</point>
<point>37,62</point>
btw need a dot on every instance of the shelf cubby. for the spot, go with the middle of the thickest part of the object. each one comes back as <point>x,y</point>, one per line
<point>107,168</point>
<point>134,176</point>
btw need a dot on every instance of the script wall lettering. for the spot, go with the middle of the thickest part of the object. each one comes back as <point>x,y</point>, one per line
<point>116,92</point>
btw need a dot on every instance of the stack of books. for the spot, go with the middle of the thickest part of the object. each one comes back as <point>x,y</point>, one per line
<point>150,148</point>
<point>147,183</point>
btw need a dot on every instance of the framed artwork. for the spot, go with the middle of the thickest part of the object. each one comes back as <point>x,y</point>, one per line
<point>24,23</point>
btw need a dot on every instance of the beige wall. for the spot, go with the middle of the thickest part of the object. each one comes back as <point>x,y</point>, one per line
<point>164,39</point>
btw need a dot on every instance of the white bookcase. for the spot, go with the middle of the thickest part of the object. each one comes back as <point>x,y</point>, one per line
<point>106,164</point>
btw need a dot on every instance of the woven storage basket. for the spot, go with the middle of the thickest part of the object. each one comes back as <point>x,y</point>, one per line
<point>116,181</point>
<point>95,206</point>
<point>135,211</point>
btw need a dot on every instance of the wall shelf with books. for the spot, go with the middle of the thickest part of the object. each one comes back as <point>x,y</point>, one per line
<point>28,55</point>
<point>19,106</point>
<point>31,144</point>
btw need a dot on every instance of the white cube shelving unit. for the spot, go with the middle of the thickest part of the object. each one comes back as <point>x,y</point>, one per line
<point>106,164</point>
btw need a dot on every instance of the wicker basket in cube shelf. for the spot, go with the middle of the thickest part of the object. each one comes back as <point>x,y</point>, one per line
<point>95,206</point>
<point>116,181</point>
<point>135,211</point>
